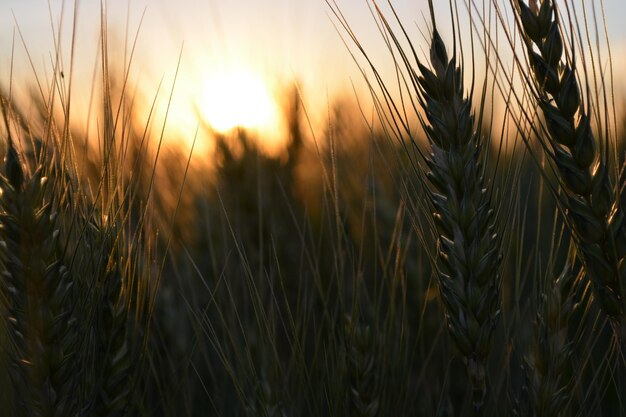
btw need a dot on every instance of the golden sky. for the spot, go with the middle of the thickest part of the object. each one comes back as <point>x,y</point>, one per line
<point>263,45</point>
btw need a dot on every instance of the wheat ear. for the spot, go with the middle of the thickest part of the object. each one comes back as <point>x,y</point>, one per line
<point>362,395</point>
<point>468,249</point>
<point>38,287</point>
<point>115,352</point>
<point>582,164</point>
<point>548,367</point>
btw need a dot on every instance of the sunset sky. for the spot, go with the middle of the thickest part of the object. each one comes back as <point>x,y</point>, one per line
<point>262,44</point>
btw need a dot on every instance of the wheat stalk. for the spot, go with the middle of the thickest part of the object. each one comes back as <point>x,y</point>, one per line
<point>468,254</point>
<point>468,248</point>
<point>581,161</point>
<point>362,397</point>
<point>549,368</point>
<point>61,366</point>
<point>38,287</point>
<point>115,352</point>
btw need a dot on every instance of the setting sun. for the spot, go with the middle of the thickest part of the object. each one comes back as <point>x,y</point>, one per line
<point>238,99</point>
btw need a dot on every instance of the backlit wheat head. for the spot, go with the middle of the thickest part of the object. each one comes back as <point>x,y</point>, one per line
<point>580,158</point>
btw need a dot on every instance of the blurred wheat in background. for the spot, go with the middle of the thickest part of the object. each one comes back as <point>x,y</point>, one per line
<point>444,238</point>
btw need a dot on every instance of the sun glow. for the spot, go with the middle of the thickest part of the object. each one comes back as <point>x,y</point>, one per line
<point>238,99</point>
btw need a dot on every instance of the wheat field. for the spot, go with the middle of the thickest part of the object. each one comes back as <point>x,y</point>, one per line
<point>458,252</point>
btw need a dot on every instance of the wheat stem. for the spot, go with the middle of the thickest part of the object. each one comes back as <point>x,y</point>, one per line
<point>468,247</point>
<point>582,163</point>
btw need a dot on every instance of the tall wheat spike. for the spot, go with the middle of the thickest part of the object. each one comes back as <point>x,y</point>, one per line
<point>362,397</point>
<point>581,160</point>
<point>468,255</point>
<point>549,366</point>
<point>114,350</point>
<point>38,292</point>
<point>468,248</point>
